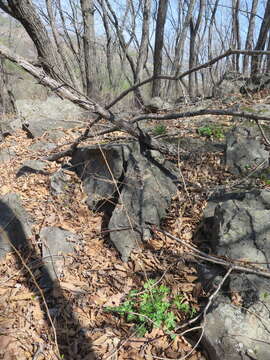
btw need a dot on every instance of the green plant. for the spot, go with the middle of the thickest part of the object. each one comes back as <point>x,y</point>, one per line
<point>210,130</point>
<point>153,307</point>
<point>160,130</point>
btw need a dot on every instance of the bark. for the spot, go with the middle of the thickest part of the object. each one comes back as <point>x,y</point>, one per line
<point>193,49</point>
<point>159,39</point>
<point>181,37</point>
<point>143,49</point>
<point>75,46</point>
<point>7,101</point>
<point>109,54</point>
<point>236,41</point>
<point>59,44</point>
<point>250,35</point>
<point>88,10</point>
<point>265,26</point>
<point>25,12</point>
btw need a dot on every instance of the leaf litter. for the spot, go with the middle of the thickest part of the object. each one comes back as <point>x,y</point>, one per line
<point>95,277</point>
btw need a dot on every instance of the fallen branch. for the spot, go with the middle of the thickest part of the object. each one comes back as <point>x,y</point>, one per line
<point>175,116</point>
<point>229,263</point>
<point>197,68</point>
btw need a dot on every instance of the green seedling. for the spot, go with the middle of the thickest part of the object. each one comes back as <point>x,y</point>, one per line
<point>160,130</point>
<point>211,131</point>
<point>152,307</point>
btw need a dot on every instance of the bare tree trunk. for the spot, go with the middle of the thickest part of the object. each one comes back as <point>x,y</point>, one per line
<point>159,39</point>
<point>268,57</point>
<point>109,55</point>
<point>25,12</point>
<point>88,10</point>
<point>256,60</point>
<point>193,51</point>
<point>250,35</point>
<point>7,102</point>
<point>181,37</point>
<point>236,41</point>
<point>143,49</point>
<point>59,44</point>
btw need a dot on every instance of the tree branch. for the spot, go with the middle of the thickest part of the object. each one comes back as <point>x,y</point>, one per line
<point>197,68</point>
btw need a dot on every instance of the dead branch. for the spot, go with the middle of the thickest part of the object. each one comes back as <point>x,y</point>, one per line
<point>84,102</point>
<point>196,68</point>
<point>228,263</point>
<point>175,116</point>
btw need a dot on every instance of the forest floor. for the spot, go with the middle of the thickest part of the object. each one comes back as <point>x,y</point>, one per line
<point>94,276</point>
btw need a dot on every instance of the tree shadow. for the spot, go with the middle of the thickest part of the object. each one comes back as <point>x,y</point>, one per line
<point>71,338</point>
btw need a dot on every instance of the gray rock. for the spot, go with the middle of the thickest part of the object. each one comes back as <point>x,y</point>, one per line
<point>55,241</point>
<point>157,104</point>
<point>230,84</point>
<point>32,167</point>
<point>59,182</point>
<point>42,146</point>
<point>99,169</point>
<point>245,151</point>
<point>240,229</point>
<point>9,127</point>
<point>233,334</point>
<point>35,128</point>
<point>15,224</point>
<point>256,83</point>
<point>7,155</point>
<point>145,185</point>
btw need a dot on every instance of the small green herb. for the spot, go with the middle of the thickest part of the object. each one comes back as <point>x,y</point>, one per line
<point>211,131</point>
<point>160,130</point>
<point>153,307</point>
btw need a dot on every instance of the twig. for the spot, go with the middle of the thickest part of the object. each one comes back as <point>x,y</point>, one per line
<point>263,133</point>
<point>175,116</point>
<point>39,351</point>
<point>216,260</point>
<point>197,68</point>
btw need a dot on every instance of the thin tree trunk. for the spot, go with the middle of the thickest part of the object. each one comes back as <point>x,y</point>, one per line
<point>235,42</point>
<point>7,101</point>
<point>25,12</point>
<point>193,51</point>
<point>88,10</point>
<point>59,45</point>
<point>143,48</point>
<point>159,39</point>
<point>250,35</point>
<point>256,60</point>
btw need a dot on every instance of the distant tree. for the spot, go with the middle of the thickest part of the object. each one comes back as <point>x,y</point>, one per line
<point>235,39</point>
<point>250,35</point>
<point>260,45</point>
<point>193,47</point>
<point>159,40</point>
<point>26,13</point>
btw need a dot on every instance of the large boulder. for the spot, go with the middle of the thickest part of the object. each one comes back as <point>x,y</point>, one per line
<point>133,188</point>
<point>230,84</point>
<point>241,227</point>
<point>232,333</point>
<point>245,150</point>
<point>256,83</point>
<point>15,224</point>
<point>237,227</point>
<point>156,104</point>
<point>55,242</point>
